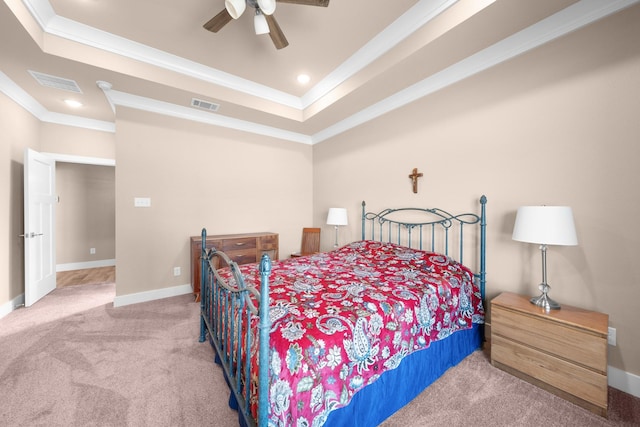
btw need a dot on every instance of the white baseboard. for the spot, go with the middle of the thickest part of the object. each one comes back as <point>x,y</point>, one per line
<point>118,301</point>
<point>83,265</point>
<point>624,381</point>
<point>8,307</point>
<point>139,297</point>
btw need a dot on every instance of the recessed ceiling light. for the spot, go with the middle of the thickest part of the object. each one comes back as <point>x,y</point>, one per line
<point>303,79</point>
<point>73,103</point>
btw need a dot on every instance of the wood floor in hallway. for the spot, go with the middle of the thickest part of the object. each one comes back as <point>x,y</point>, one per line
<point>87,276</point>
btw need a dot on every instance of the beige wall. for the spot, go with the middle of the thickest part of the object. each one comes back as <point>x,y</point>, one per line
<point>85,213</point>
<point>77,141</point>
<point>200,176</point>
<point>556,126</point>
<point>19,131</point>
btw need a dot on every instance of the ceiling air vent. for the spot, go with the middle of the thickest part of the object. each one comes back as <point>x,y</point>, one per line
<point>204,105</point>
<point>56,82</point>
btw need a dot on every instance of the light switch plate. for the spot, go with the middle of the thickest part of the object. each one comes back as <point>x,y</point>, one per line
<point>142,202</point>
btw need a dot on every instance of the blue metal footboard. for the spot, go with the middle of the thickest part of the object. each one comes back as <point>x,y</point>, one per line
<point>226,311</point>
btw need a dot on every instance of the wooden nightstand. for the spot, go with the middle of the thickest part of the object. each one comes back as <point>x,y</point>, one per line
<point>563,351</point>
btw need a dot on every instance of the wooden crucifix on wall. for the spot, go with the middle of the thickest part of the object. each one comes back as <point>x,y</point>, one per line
<point>414,177</point>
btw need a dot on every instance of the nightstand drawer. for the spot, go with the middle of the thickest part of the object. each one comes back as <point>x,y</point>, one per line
<point>563,375</point>
<point>579,346</point>
<point>562,351</point>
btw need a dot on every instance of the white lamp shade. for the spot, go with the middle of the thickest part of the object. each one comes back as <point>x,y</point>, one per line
<point>267,6</point>
<point>337,216</point>
<point>235,7</point>
<point>260,23</point>
<point>545,225</point>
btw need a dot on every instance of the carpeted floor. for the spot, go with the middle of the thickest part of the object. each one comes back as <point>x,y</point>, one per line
<point>74,360</point>
<point>476,393</point>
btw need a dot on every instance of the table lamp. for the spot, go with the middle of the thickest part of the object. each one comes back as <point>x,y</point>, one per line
<point>545,225</point>
<point>337,217</point>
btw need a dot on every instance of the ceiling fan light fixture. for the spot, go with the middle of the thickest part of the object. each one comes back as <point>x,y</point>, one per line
<point>267,6</point>
<point>260,23</point>
<point>235,7</point>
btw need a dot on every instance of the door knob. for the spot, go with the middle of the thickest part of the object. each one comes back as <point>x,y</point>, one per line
<point>32,234</point>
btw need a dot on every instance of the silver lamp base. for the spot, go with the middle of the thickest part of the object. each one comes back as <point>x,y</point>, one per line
<point>543,300</point>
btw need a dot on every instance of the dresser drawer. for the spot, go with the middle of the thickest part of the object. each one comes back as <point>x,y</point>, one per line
<point>269,242</point>
<point>564,341</point>
<point>241,244</point>
<point>245,256</point>
<point>573,379</point>
<point>217,244</point>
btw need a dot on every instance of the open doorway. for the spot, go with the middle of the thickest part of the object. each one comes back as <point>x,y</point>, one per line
<point>85,222</point>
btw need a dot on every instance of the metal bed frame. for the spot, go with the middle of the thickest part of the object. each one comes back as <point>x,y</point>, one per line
<point>226,307</point>
<point>383,227</point>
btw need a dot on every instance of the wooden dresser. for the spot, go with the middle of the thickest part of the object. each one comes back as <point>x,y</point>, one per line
<point>562,351</point>
<point>242,248</point>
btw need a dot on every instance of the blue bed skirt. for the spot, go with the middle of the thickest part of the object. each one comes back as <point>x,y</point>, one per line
<point>400,386</point>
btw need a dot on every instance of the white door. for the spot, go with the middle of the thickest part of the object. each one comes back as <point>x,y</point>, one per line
<point>39,226</point>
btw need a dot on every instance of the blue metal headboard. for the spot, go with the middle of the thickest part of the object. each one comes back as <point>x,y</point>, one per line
<point>430,224</point>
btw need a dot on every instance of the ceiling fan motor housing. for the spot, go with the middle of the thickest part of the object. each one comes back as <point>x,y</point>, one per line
<point>264,21</point>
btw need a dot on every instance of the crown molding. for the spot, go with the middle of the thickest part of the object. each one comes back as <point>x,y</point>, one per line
<point>83,34</point>
<point>167,109</point>
<point>579,14</point>
<point>561,23</point>
<point>26,101</point>
<point>416,17</point>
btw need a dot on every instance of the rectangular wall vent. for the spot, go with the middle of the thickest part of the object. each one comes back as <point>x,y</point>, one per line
<point>56,82</point>
<point>204,105</point>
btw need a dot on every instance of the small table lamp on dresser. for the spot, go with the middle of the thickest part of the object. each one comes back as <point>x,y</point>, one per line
<point>545,225</point>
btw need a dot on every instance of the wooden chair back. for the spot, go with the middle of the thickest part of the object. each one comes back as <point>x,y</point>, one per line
<point>310,241</point>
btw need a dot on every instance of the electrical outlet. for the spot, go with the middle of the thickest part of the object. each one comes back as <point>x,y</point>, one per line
<point>92,251</point>
<point>177,271</point>
<point>611,337</point>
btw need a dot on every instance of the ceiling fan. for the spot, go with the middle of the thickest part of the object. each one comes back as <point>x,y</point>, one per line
<point>264,21</point>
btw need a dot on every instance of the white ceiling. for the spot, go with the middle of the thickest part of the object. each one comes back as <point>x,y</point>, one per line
<point>365,58</point>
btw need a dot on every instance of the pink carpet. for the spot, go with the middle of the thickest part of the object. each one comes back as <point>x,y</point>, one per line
<point>74,360</point>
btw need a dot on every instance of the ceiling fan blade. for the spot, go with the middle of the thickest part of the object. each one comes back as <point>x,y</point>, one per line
<point>323,3</point>
<point>277,36</point>
<point>216,23</point>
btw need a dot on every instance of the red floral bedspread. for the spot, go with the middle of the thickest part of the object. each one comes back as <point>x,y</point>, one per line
<point>340,319</point>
